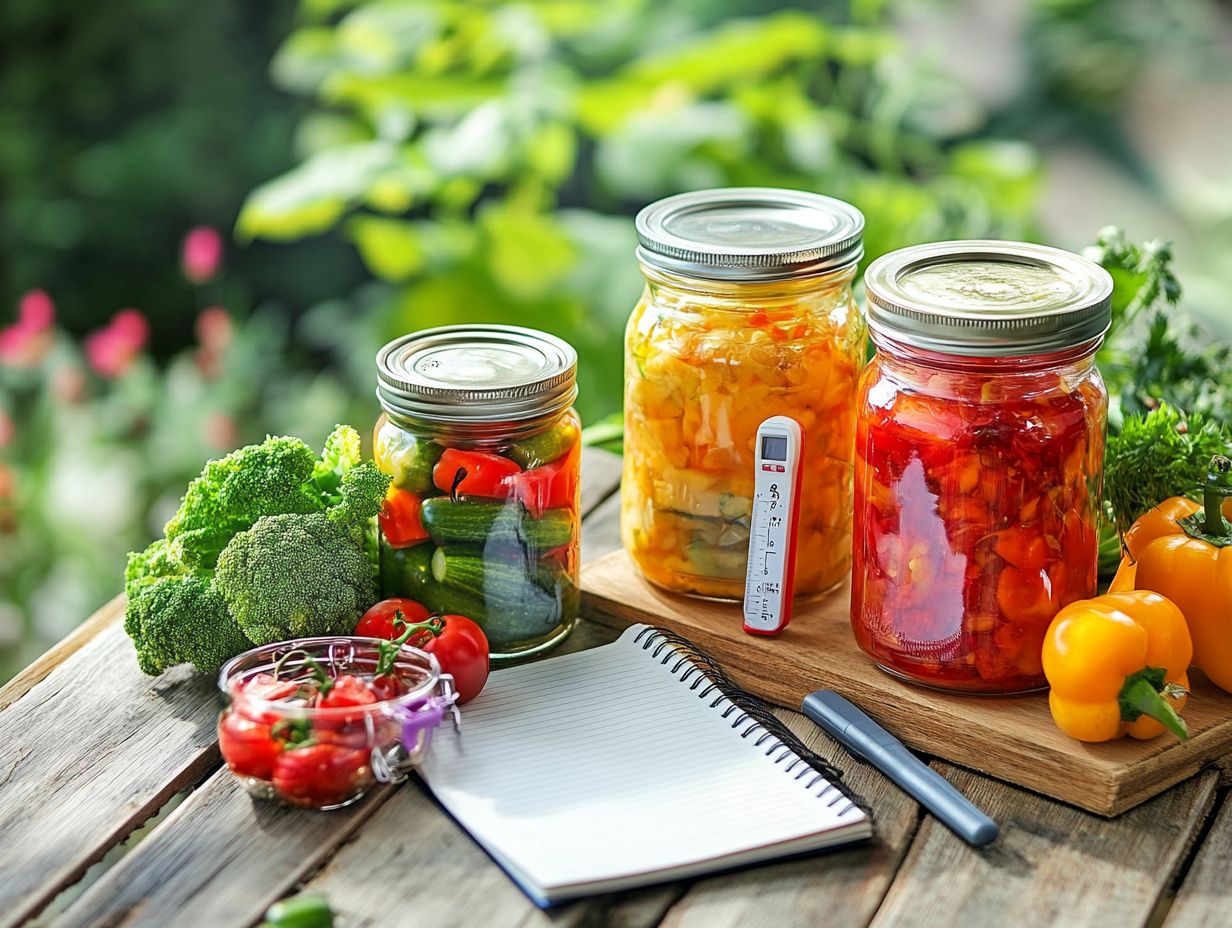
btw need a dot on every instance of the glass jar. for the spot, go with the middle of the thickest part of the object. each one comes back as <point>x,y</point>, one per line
<point>979,459</point>
<point>283,743</point>
<point>747,313</point>
<point>482,518</point>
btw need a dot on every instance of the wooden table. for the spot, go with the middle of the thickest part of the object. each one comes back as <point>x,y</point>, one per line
<point>114,810</point>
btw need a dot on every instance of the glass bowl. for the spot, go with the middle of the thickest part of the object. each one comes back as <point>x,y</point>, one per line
<point>310,723</point>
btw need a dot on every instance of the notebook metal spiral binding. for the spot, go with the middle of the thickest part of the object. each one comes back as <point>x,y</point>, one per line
<point>693,666</point>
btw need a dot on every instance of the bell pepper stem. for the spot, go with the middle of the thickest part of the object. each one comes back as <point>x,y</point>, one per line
<point>1141,697</point>
<point>1218,485</point>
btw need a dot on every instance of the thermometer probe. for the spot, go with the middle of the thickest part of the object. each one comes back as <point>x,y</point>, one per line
<point>770,576</point>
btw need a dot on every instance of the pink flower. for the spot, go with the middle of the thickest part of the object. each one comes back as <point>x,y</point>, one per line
<point>112,349</point>
<point>219,431</point>
<point>202,254</point>
<point>25,342</point>
<point>214,328</point>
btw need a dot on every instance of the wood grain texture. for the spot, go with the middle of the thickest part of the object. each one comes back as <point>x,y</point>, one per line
<point>1012,739</point>
<point>1205,896</point>
<point>1051,866</point>
<point>455,883</point>
<point>221,858</point>
<point>838,889</point>
<point>37,671</point>
<point>92,751</point>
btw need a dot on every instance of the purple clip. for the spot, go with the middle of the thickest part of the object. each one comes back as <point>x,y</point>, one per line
<point>421,716</point>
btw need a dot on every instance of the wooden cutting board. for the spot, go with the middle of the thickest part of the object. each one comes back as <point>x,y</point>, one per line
<point>1013,739</point>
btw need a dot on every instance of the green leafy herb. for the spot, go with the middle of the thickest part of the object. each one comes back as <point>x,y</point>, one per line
<point>1155,457</point>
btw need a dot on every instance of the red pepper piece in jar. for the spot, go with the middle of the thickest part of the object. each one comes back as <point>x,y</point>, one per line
<point>474,473</point>
<point>552,486</point>
<point>399,519</point>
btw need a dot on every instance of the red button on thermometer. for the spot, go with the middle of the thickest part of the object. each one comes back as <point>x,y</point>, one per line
<point>770,579</point>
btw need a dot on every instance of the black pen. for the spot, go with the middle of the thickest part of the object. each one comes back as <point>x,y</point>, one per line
<point>847,724</point>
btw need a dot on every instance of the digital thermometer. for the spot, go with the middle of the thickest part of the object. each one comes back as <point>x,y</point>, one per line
<point>770,579</point>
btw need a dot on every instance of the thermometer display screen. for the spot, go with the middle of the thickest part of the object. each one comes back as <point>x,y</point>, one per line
<point>773,448</point>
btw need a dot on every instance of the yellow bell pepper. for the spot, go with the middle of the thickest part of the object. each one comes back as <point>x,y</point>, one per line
<point>1116,665</point>
<point>1184,552</point>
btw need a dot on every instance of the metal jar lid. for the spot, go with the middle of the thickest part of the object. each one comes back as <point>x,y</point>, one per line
<point>987,298</point>
<point>472,374</point>
<point>749,233</point>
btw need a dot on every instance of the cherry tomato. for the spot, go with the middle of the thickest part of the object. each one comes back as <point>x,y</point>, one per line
<point>247,745</point>
<point>474,473</point>
<point>347,690</point>
<point>387,686</point>
<point>322,774</point>
<point>462,649</point>
<point>378,622</point>
<point>399,519</point>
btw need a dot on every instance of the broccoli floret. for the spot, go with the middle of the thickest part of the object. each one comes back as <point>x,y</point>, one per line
<point>342,452</point>
<point>234,492</point>
<point>295,576</point>
<point>360,495</point>
<point>181,620</point>
<point>144,567</point>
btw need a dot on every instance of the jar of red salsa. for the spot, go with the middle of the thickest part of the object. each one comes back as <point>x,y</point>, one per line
<point>979,459</point>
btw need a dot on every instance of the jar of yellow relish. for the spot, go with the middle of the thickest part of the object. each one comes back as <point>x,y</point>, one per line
<point>979,459</point>
<point>747,313</point>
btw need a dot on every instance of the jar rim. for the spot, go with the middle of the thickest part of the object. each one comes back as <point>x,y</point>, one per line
<point>229,670</point>
<point>749,234</point>
<point>988,298</point>
<point>466,375</point>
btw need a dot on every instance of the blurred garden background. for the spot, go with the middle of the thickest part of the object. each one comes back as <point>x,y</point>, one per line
<point>211,215</point>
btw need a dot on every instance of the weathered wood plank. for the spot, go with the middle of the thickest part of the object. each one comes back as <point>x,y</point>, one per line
<point>449,880</point>
<point>1052,865</point>
<point>1205,896</point>
<point>267,849</point>
<point>93,750</point>
<point>77,639</point>
<point>836,889</point>
<point>221,857</point>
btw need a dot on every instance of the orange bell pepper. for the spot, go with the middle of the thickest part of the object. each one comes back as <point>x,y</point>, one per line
<point>1184,551</point>
<point>1116,665</point>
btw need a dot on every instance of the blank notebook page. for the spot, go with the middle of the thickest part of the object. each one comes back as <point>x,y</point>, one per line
<point>602,770</point>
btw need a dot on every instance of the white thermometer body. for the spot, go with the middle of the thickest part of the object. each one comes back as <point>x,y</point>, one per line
<point>770,579</point>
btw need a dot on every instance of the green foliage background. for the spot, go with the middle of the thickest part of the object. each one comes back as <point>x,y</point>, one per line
<point>484,158</point>
<point>387,165</point>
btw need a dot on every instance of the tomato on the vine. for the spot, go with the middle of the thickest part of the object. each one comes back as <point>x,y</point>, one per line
<point>462,649</point>
<point>459,645</point>
<point>378,622</point>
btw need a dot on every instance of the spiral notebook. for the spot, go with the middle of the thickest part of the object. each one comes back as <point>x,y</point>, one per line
<point>630,764</point>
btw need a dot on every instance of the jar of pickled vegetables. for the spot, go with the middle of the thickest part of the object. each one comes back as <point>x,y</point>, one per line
<point>979,459</point>
<point>479,434</point>
<point>747,313</point>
